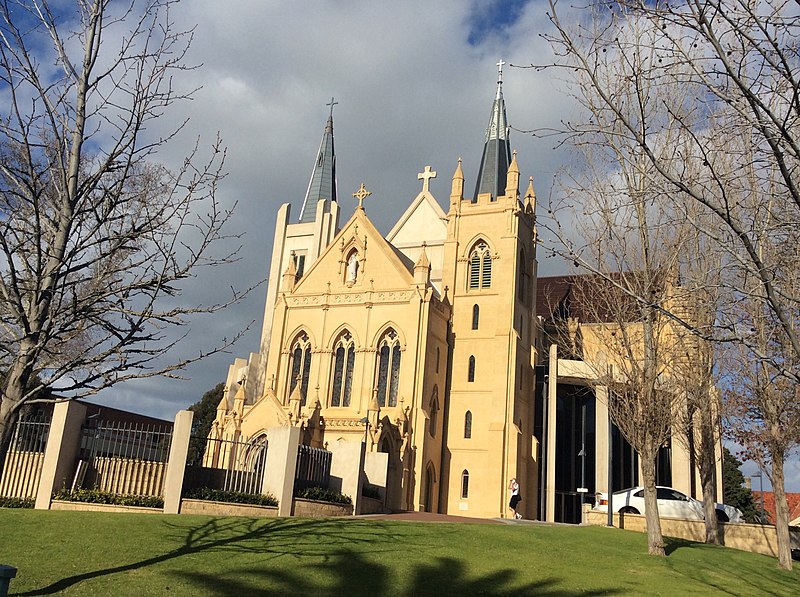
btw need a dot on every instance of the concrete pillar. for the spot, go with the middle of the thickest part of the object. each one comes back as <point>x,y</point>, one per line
<point>176,465</point>
<point>550,477</point>
<point>347,466</point>
<point>61,451</point>
<point>602,443</point>
<point>281,466</point>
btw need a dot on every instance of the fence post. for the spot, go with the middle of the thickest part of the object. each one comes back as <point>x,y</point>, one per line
<point>347,469</point>
<point>281,466</point>
<point>176,466</point>
<point>63,442</point>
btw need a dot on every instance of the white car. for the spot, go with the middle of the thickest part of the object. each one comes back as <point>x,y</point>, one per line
<point>671,502</point>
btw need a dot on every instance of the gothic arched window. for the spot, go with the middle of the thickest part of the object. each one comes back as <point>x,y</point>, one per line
<point>471,369</point>
<point>434,420</point>
<point>344,358</point>
<point>300,365</point>
<point>465,484</point>
<point>480,266</point>
<point>388,368</point>
<point>476,314</point>
<point>468,425</point>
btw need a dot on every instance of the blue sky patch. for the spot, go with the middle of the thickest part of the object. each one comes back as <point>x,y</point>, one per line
<point>493,16</point>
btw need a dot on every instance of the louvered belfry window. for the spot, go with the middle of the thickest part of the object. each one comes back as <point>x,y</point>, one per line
<point>480,266</point>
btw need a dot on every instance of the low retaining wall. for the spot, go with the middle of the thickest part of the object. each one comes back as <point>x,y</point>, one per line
<point>372,506</point>
<point>756,538</point>
<point>312,509</point>
<point>211,508</point>
<point>92,507</point>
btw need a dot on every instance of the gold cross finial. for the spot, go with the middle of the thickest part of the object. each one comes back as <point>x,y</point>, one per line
<point>361,194</point>
<point>425,177</point>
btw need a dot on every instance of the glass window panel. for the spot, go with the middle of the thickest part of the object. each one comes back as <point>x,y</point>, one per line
<point>468,425</point>
<point>383,374</point>
<point>348,378</point>
<point>306,372</point>
<point>465,484</point>
<point>395,382</point>
<point>297,361</point>
<point>338,368</point>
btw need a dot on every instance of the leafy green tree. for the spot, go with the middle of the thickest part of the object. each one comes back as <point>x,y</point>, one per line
<point>734,490</point>
<point>204,412</point>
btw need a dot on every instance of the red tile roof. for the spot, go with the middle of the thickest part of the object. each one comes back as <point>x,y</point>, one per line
<point>769,504</point>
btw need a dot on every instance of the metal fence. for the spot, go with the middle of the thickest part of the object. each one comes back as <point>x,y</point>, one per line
<point>227,464</point>
<point>122,457</point>
<point>23,465</point>
<point>313,468</point>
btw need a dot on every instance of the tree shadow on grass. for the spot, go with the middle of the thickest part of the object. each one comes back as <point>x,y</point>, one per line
<point>329,557</point>
<point>267,537</point>
<point>349,573</point>
<point>750,571</point>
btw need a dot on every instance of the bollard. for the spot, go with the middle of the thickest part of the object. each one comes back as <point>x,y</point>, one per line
<point>6,574</point>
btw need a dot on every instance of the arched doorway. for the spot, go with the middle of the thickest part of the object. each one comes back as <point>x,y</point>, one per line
<point>430,484</point>
<point>394,473</point>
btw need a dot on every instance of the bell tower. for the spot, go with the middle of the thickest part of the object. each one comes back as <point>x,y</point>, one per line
<point>490,270</point>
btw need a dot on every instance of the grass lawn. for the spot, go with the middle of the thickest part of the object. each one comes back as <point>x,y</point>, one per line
<point>89,553</point>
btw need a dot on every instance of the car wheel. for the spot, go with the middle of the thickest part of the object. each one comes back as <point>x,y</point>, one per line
<point>628,510</point>
<point>722,517</point>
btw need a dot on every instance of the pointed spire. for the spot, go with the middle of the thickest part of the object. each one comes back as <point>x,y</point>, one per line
<point>497,149</point>
<point>422,268</point>
<point>322,184</point>
<point>512,179</point>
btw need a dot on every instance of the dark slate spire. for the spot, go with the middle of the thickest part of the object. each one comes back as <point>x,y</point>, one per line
<point>323,177</point>
<point>497,149</point>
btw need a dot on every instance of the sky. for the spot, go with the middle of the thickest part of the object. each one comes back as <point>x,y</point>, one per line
<point>414,83</point>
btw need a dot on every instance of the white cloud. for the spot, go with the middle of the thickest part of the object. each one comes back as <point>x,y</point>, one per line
<point>411,91</point>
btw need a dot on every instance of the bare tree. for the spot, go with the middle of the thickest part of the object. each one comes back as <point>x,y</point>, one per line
<point>633,240</point>
<point>736,66</point>
<point>96,236</point>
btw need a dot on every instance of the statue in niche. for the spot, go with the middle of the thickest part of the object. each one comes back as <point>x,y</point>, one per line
<point>352,267</point>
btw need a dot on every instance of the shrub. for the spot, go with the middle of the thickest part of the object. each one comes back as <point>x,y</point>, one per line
<point>323,495</point>
<point>96,496</point>
<point>13,502</point>
<point>233,497</point>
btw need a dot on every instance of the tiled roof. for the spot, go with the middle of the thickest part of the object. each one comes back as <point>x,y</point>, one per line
<point>769,504</point>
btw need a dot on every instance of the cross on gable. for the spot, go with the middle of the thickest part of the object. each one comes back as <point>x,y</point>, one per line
<point>361,194</point>
<point>425,177</point>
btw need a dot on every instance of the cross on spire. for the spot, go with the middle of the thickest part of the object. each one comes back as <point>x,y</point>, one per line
<point>332,104</point>
<point>425,177</point>
<point>361,194</point>
<point>500,71</point>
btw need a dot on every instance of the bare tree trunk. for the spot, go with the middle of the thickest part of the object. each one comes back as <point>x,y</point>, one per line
<point>781,512</point>
<point>8,419</point>
<point>655,540</point>
<point>707,464</point>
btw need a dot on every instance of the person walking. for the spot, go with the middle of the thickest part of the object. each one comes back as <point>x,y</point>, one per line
<point>513,486</point>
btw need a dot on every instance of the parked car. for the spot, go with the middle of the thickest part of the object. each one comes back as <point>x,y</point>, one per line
<point>671,502</point>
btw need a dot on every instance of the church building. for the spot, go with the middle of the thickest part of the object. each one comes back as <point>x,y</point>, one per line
<point>423,343</point>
